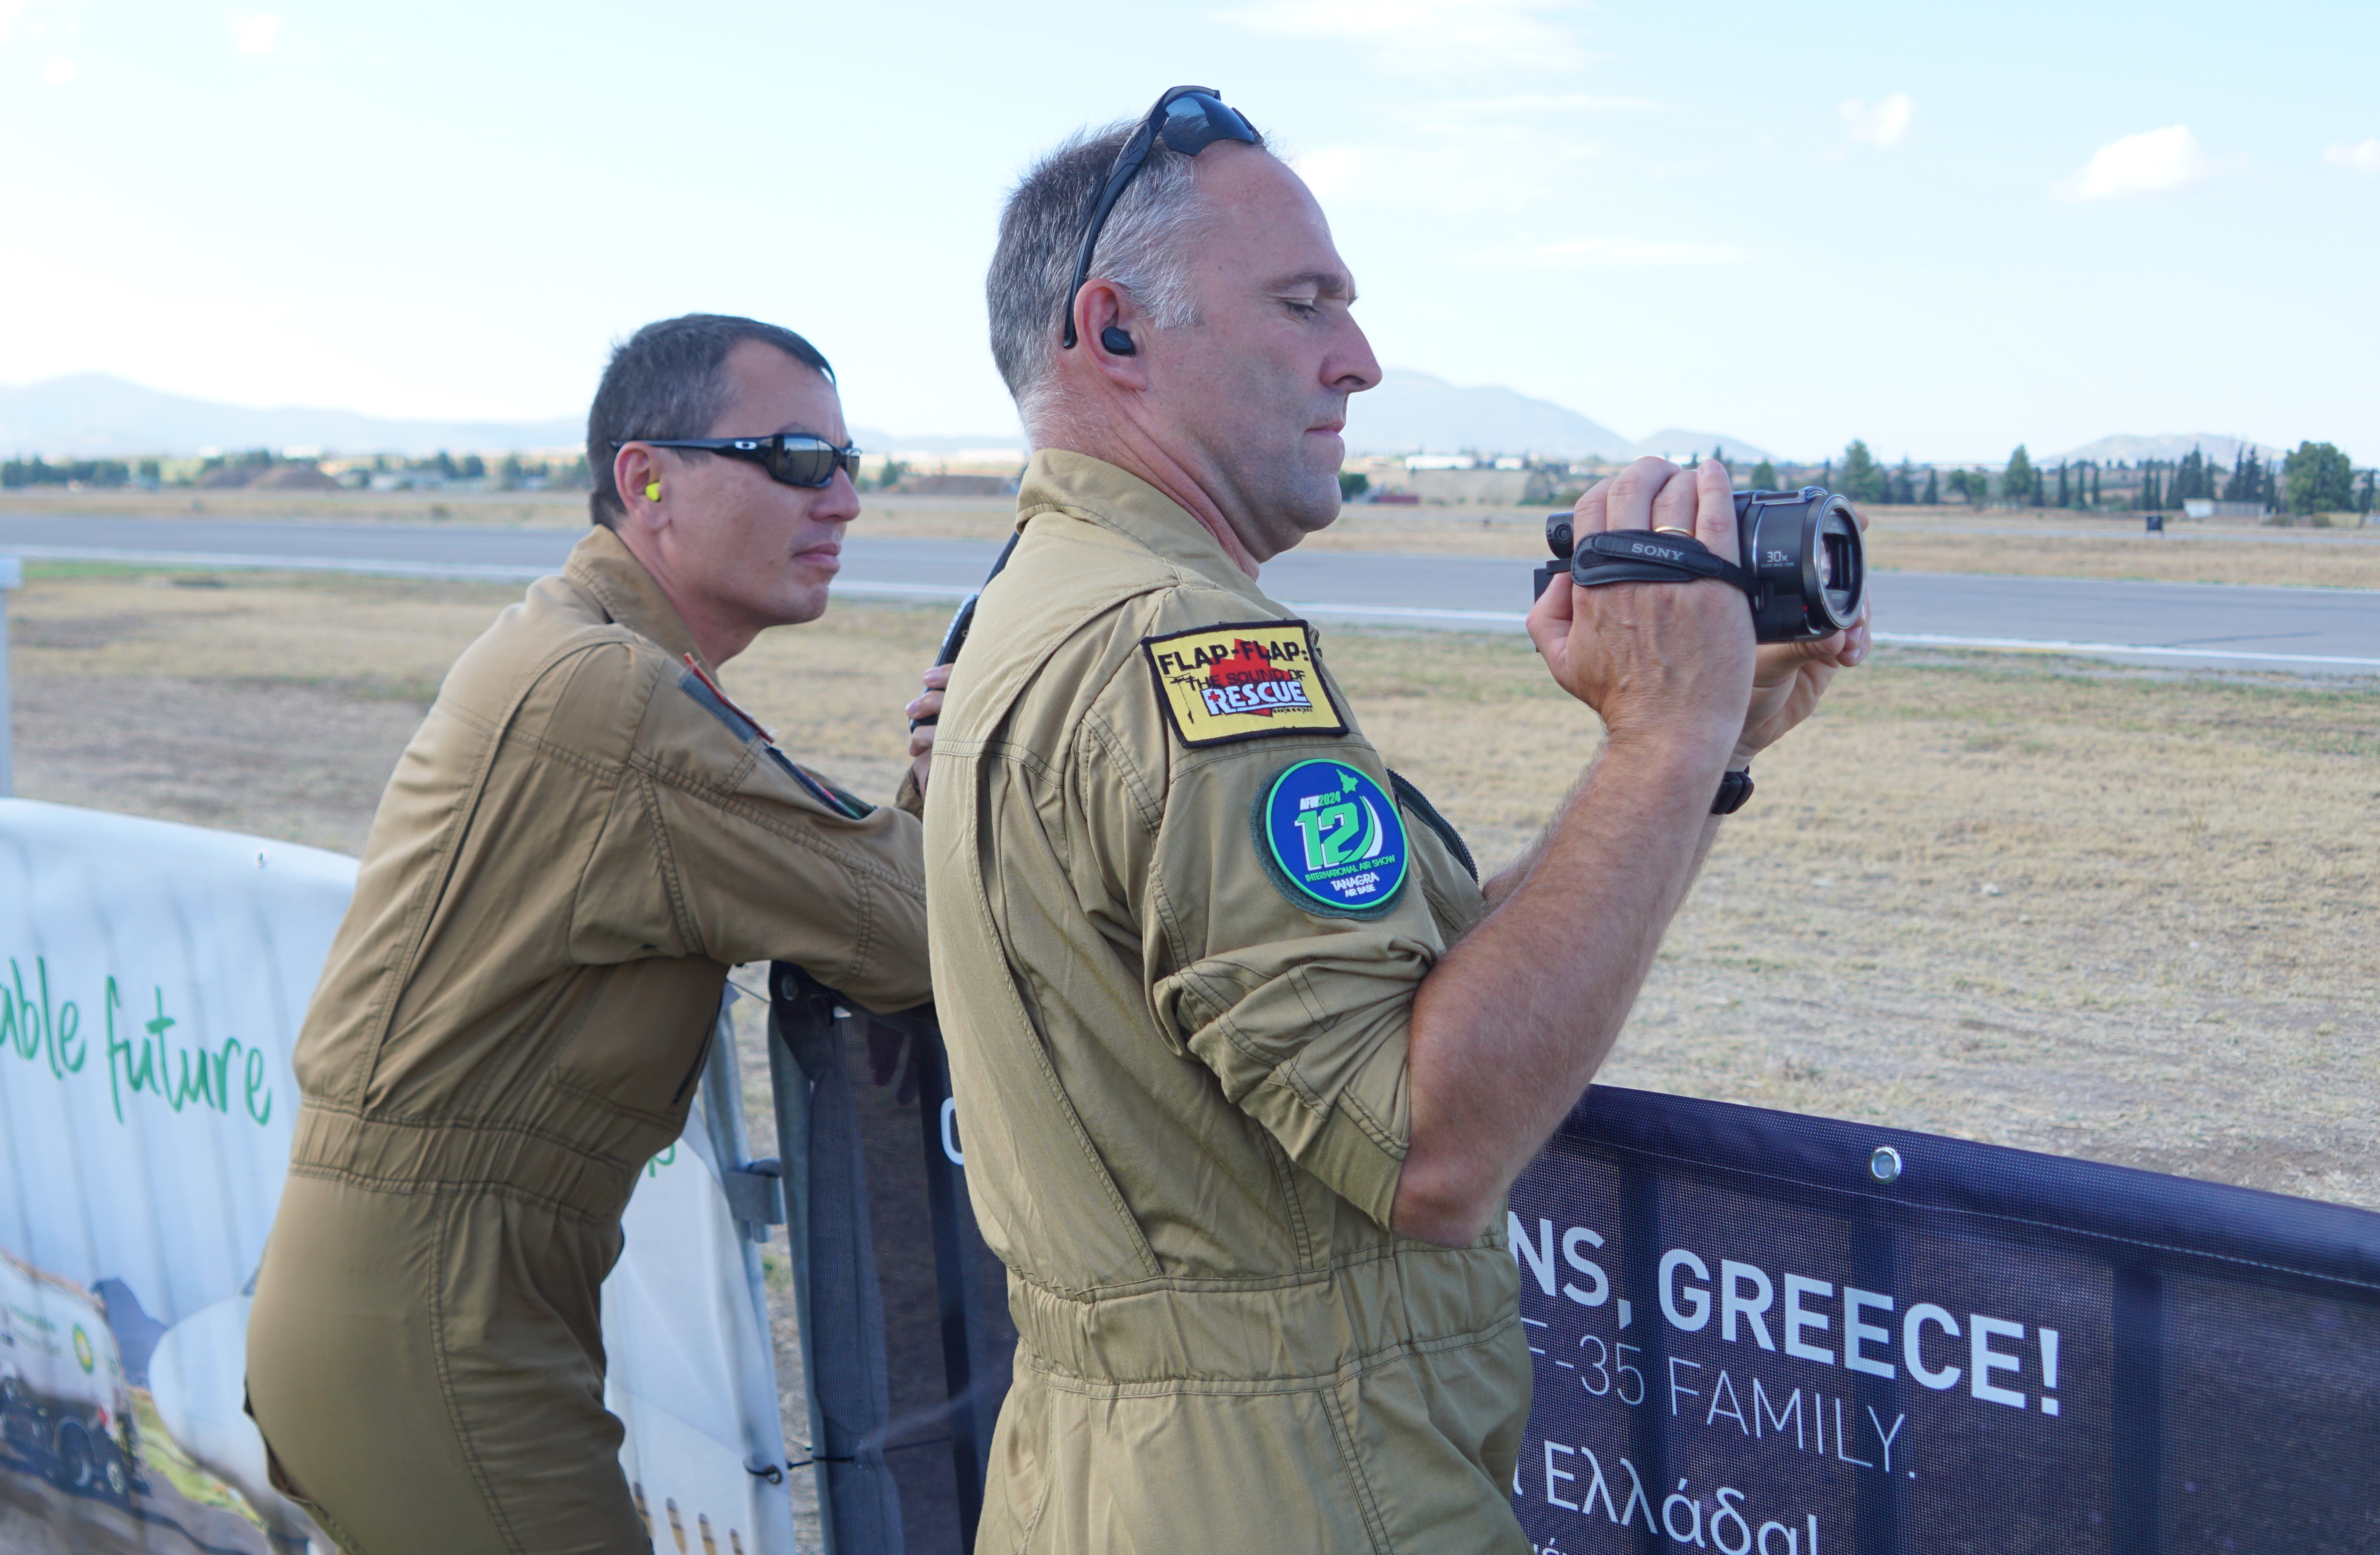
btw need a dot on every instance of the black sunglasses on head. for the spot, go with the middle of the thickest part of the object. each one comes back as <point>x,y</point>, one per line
<point>1191,118</point>
<point>791,458</point>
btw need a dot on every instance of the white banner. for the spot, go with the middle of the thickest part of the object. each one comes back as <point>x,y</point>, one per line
<point>153,978</point>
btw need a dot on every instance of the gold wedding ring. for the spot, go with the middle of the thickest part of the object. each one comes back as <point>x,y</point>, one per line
<point>1672,530</point>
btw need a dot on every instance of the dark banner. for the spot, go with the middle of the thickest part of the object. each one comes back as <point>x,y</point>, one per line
<point>1760,1332</point>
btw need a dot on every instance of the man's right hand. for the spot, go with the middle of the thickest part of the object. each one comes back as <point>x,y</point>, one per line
<point>1667,663</point>
<point>922,713</point>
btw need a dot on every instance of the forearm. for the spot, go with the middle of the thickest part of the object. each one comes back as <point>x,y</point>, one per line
<point>1511,1025</point>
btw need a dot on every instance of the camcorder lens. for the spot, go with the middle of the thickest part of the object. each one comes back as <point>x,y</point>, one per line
<point>1804,549</point>
<point>1842,565</point>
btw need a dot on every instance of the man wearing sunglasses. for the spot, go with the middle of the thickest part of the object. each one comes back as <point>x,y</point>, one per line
<point>583,838</point>
<point>1246,1056</point>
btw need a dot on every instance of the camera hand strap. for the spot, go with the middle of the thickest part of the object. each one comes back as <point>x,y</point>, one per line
<point>1646,557</point>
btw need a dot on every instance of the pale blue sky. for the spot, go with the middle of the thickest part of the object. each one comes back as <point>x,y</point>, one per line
<point>1943,228</point>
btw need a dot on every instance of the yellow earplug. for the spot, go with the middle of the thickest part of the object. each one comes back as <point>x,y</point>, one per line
<point>653,491</point>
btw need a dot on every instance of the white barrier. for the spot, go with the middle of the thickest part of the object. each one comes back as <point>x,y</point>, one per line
<point>153,978</point>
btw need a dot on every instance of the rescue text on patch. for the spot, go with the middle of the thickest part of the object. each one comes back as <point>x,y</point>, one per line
<point>1242,680</point>
<point>1263,696</point>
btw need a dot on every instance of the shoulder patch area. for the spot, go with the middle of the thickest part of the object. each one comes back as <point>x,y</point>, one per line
<point>747,728</point>
<point>1331,839</point>
<point>1242,681</point>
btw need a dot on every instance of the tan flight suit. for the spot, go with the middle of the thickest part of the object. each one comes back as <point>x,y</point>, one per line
<point>577,846</point>
<point>1183,1096</point>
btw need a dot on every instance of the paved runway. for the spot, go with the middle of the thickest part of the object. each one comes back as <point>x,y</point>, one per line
<point>2177,625</point>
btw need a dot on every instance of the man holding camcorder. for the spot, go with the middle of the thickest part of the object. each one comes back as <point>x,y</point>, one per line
<point>1247,1056</point>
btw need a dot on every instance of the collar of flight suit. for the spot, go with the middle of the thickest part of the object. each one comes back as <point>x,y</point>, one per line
<point>1093,489</point>
<point>603,566</point>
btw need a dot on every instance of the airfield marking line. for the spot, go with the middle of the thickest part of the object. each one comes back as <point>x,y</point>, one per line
<point>494,573</point>
<point>1409,613</point>
<point>2036,645</point>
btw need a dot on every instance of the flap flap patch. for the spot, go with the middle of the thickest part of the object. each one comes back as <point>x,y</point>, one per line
<point>1242,681</point>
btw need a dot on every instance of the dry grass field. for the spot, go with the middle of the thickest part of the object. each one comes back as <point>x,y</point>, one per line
<point>2108,913</point>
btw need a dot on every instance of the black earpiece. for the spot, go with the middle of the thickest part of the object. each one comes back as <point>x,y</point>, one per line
<point>1116,342</point>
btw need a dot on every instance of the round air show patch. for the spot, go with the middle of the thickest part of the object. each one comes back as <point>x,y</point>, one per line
<point>1331,839</point>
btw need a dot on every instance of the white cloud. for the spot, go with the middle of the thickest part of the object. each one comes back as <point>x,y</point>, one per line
<point>2154,161</point>
<point>2364,157</point>
<point>1883,123</point>
<point>40,18</point>
<point>253,32</point>
<point>1612,250</point>
<point>58,71</point>
<point>1430,37</point>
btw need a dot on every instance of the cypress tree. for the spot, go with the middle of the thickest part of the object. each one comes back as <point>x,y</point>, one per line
<point>2020,487</point>
<point>1934,489</point>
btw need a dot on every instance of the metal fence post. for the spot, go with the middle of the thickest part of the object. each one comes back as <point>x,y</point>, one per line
<point>12,575</point>
<point>850,1395</point>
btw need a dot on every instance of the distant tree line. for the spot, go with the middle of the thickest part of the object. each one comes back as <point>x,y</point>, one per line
<point>2318,478</point>
<point>36,472</point>
<point>510,473</point>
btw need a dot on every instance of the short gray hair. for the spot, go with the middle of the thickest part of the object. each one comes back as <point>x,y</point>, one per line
<point>1141,249</point>
<point>669,379</point>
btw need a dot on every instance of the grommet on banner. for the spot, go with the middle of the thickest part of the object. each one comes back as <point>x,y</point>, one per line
<point>1885,1164</point>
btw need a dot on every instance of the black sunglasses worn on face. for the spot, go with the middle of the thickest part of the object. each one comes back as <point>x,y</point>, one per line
<point>1191,118</point>
<point>791,458</point>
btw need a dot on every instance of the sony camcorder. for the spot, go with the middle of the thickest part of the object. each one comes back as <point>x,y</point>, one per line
<point>1804,569</point>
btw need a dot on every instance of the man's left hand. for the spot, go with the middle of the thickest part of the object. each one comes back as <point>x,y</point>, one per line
<point>1788,678</point>
<point>928,706</point>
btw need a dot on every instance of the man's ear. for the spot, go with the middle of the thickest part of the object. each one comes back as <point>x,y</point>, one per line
<point>636,471</point>
<point>1102,306</point>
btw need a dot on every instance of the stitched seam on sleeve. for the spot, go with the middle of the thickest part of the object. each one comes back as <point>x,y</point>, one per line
<point>808,838</point>
<point>1286,1076</point>
<point>665,860</point>
<point>864,939</point>
<point>1100,731</point>
<point>1374,1129</point>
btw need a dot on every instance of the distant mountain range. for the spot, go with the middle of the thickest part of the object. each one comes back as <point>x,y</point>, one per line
<point>91,415</point>
<point>2128,449</point>
<point>1414,412</point>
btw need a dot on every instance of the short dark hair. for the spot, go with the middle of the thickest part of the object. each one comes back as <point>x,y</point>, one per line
<point>668,380</point>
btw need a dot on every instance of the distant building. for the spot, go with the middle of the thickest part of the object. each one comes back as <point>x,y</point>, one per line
<point>1452,478</point>
<point>1492,486</point>
<point>956,485</point>
<point>2207,507</point>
